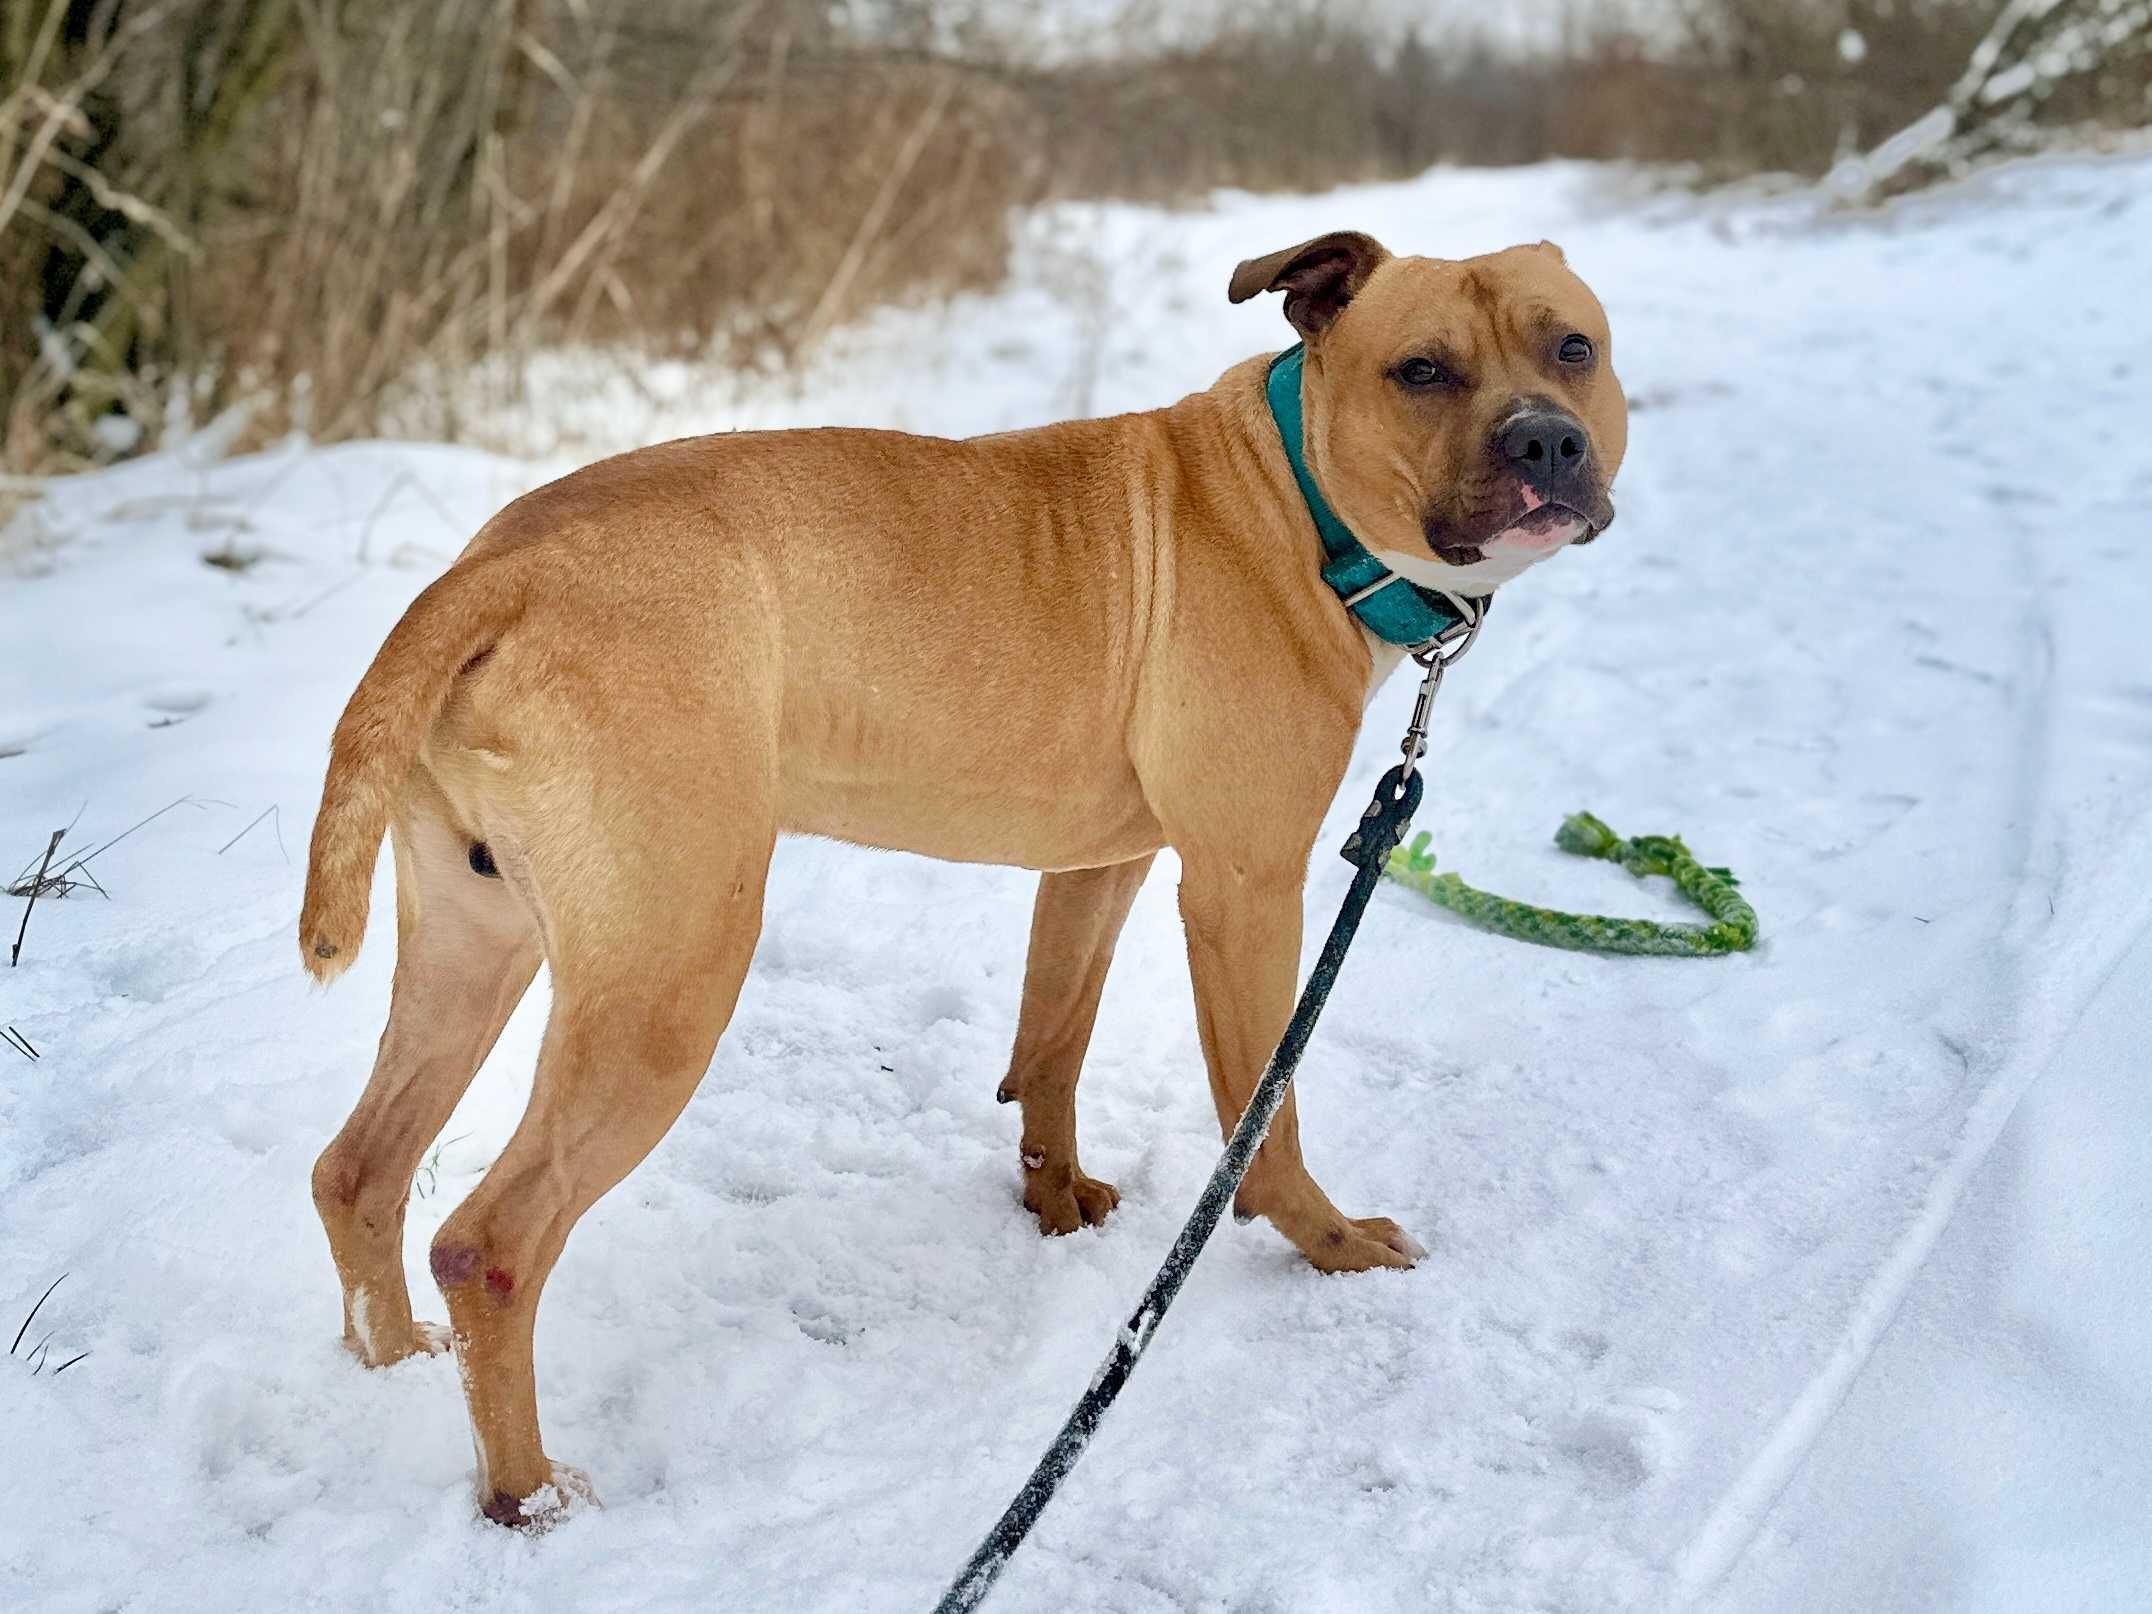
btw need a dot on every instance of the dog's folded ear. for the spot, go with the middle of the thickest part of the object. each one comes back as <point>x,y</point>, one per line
<point>1318,277</point>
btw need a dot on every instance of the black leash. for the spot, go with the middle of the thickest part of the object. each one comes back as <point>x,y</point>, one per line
<point>1367,848</point>
<point>1382,826</point>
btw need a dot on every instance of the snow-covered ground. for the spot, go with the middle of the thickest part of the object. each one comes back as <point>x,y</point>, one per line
<point>1807,1280</point>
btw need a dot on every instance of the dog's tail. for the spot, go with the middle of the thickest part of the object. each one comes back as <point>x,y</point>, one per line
<point>377,741</point>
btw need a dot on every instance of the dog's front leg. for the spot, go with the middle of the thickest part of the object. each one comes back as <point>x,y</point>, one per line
<point>1243,925</point>
<point>1074,925</point>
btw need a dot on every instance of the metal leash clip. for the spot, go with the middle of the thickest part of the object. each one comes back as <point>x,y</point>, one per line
<point>1436,655</point>
<point>1397,793</point>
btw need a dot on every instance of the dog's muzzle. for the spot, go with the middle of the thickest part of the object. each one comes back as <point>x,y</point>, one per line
<point>1550,453</point>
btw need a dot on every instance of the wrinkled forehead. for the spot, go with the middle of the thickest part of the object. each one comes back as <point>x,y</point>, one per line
<point>1509,296</point>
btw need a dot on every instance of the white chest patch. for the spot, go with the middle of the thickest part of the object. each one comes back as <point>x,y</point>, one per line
<point>1508,556</point>
<point>1387,656</point>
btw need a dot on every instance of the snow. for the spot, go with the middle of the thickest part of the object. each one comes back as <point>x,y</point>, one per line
<point>1811,1278</point>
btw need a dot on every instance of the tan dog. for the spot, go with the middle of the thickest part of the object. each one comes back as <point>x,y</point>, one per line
<point>1061,649</point>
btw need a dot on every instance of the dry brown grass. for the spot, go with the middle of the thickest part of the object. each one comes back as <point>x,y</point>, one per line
<point>300,206</point>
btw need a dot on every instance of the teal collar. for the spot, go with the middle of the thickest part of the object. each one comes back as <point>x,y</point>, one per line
<point>1390,607</point>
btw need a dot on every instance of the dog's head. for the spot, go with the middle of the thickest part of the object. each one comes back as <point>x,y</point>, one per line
<point>1462,416</point>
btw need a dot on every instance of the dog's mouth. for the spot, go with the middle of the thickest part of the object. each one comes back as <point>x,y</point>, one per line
<point>1539,527</point>
<point>1543,525</point>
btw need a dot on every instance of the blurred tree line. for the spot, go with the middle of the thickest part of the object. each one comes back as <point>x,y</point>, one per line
<point>315,206</point>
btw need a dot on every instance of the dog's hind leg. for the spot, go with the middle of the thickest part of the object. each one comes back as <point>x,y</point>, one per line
<point>650,912</point>
<point>1074,925</point>
<point>466,949</point>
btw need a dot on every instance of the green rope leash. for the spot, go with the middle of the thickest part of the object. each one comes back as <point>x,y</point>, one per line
<point>1733,929</point>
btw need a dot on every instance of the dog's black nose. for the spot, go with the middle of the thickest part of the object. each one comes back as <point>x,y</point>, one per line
<point>1548,448</point>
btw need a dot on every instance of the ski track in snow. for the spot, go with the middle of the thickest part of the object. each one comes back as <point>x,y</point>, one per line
<point>1726,1534</point>
<point>1868,629</point>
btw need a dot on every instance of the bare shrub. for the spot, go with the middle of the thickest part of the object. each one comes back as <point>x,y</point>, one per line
<point>826,182</point>
<point>1279,102</point>
<point>65,197</point>
<point>311,206</point>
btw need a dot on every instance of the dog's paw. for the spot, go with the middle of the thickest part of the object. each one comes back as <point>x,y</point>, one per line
<point>1363,1244</point>
<point>432,1339</point>
<point>1064,1199</point>
<point>566,1492</point>
<point>424,1339</point>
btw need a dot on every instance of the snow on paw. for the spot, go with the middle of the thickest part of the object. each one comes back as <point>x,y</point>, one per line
<point>432,1339</point>
<point>378,1346</point>
<point>425,1339</point>
<point>566,1492</point>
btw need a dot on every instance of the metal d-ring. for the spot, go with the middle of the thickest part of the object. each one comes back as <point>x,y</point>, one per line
<point>1454,640</point>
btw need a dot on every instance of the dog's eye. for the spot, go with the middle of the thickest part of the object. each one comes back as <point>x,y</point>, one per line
<point>1576,349</point>
<point>1423,373</point>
